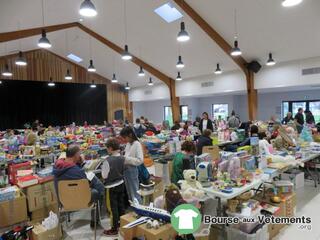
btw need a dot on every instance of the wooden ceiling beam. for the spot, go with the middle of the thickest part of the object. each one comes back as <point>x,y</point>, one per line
<point>10,36</point>
<point>212,33</point>
<point>166,79</point>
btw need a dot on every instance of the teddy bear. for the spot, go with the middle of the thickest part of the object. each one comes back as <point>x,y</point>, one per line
<point>190,187</point>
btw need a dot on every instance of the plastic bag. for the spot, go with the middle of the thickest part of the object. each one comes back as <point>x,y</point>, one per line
<point>50,222</point>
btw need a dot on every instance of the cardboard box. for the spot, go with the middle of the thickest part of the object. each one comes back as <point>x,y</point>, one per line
<point>165,232</point>
<point>40,214</point>
<point>13,211</point>
<point>40,196</point>
<point>40,233</point>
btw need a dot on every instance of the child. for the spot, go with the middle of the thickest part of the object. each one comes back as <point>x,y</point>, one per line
<point>112,172</point>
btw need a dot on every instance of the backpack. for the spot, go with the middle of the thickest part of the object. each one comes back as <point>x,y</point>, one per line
<point>144,175</point>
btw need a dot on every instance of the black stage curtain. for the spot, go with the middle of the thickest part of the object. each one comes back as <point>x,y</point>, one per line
<point>25,101</point>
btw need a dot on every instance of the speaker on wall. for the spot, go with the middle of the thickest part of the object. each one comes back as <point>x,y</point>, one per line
<point>254,66</point>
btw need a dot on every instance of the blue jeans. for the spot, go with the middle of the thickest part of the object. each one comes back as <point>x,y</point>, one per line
<point>97,195</point>
<point>131,179</point>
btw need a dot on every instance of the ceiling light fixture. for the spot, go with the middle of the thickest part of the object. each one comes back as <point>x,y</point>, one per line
<point>91,68</point>
<point>218,69</point>
<point>183,35</point>
<point>114,78</point>
<point>87,9</point>
<point>270,61</point>
<point>7,72</point>
<point>180,64</point>
<point>179,78</point>
<point>68,75</point>
<point>150,83</point>
<point>44,41</point>
<point>127,87</point>
<point>93,85</point>
<point>235,51</point>
<point>51,83</point>
<point>126,55</point>
<point>21,61</point>
<point>141,72</point>
<point>291,3</point>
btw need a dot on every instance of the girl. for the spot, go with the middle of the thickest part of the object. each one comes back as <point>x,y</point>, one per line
<point>133,158</point>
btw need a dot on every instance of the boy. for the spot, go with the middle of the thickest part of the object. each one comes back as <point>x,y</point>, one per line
<point>112,172</point>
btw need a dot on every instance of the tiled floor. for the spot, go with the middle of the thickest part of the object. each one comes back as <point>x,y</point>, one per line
<point>308,200</point>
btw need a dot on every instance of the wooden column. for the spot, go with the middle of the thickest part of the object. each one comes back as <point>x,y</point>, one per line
<point>175,101</point>
<point>252,96</point>
<point>225,46</point>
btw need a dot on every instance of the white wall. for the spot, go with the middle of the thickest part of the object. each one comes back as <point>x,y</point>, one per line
<point>228,82</point>
<point>149,93</point>
<point>287,74</point>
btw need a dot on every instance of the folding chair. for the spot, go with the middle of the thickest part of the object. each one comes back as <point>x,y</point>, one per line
<point>75,195</point>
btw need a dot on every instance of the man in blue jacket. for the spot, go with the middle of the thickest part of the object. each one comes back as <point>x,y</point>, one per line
<point>70,169</point>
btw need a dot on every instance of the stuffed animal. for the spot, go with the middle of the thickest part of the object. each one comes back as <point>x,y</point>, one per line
<point>173,197</point>
<point>190,187</point>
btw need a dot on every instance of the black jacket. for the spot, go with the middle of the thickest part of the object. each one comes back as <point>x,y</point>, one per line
<point>202,142</point>
<point>209,125</point>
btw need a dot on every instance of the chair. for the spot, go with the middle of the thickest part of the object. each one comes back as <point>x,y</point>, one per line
<point>75,195</point>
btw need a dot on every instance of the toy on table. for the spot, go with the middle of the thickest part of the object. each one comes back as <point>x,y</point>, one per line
<point>204,171</point>
<point>190,187</point>
<point>173,198</point>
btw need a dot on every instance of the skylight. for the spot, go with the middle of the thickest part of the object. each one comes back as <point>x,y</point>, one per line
<point>168,12</point>
<point>74,57</point>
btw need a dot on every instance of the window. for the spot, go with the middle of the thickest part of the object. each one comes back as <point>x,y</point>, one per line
<point>184,113</point>
<point>168,12</point>
<point>297,105</point>
<point>221,110</point>
<point>284,109</point>
<point>74,57</point>
<point>293,106</point>
<point>168,115</point>
<point>314,107</point>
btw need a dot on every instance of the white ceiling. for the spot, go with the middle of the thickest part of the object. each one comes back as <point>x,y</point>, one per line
<point>263,26</point>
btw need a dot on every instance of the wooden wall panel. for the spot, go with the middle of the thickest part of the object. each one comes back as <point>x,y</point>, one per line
<point>43,64</point>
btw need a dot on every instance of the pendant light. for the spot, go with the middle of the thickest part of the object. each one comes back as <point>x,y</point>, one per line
<point>180,64</point>
<point>21,61</point>
<point>218,69</point>
<point>183,35</point>
<point>291,3</point>
<point>235,51</point>
<point>68,75</point>
<point>6,72</point>
<point>141,72</point>
<point>51,83</point>
<point>87,9</point>
<point>127,87</point>
<point>114,78</point>
<point>126,55</point>
<point>150,83</point>
<point>0,82</point>
<point>91,68</point>
<point>179,78</point>
<point>43,41</point>
<point>270,61</point>
<point>93,85</point>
